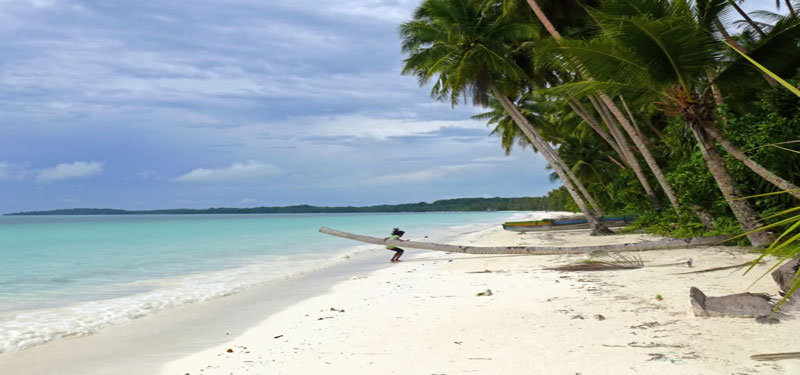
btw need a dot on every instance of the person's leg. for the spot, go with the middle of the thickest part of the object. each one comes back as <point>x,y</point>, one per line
<point>398,254</point>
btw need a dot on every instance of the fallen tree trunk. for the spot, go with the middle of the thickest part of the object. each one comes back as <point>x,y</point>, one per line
<point>667,244</point>
<point>775,356</point>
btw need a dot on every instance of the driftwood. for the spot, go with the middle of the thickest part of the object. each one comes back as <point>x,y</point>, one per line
<point>775,356</point>
<point>718,268</point>
<point>668,244</point>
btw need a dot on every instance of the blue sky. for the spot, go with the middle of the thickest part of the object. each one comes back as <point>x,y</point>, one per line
<point>164,104</point>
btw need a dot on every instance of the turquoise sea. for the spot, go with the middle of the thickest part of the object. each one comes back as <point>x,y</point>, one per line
<point>73,275</point>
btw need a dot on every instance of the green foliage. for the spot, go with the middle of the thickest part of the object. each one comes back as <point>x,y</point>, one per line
<point>773,119</point>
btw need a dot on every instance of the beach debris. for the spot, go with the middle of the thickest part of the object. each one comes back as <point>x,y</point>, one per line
<point>689,263</point>
<point>784,276</point>
<point>358,277</point>
<point>647,325</point>
<point>325,317</point>
<point>607,262</point>
<point>485,271</point>
<point>277,337</point>
<point>578,316</point>
<point>738,266</point>
<point>229,350</point>
<point>659,297</point>
<point>599,317</point>
<point>775,356</point>
<point>741,305</point>
<point>659,357</point>
<point>337,310</point>
<point>486,293</point>
<point>636,344</point>
<point>457,342</point>
<point>767,319</point>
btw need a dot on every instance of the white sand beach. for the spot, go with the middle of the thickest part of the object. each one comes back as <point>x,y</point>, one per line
<point>423,316</point>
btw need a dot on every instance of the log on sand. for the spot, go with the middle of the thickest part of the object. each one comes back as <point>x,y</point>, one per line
<point>667,244</point>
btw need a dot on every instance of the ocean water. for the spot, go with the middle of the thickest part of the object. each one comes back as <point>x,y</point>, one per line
<point>74,275</point>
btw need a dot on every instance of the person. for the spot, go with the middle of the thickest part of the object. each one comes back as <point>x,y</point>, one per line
<point>398,252</point>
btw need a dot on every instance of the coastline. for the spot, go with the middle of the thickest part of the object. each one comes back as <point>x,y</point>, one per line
<point>423,315</point>
<point>143,344</point>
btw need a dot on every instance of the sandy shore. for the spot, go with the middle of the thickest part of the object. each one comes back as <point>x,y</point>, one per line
<point>423,316</point>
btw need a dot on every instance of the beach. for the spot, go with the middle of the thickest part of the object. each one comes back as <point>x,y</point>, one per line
<point>424,315</point>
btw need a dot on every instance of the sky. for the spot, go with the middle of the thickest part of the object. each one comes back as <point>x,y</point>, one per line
<point>236,103</point>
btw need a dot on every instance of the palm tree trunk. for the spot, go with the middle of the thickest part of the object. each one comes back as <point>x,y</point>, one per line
<point>544,20</point>
<point>667,244</point>
<point>715,89</point>
<point>633,161</point>
<point>578,108</point>
<point>633,120</point>
<point>589,198</point>
<point>637,137</point>
<point>742,209</point>
<point>533,135</point>
<point>789,6</point>
<point>700,212</point>
<point>648,157</point>
<point>747,18</point>
<point>734,151</point>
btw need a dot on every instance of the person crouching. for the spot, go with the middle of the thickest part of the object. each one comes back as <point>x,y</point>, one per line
<point>398,252</point>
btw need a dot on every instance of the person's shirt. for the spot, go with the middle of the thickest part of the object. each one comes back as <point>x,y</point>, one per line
<point>392,237</point>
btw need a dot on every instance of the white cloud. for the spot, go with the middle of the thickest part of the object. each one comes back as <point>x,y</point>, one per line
<point>9,171</point>
<point>65,171</point>
<point>236,171</point>
<point>358,125</point>
<point>422,175</point>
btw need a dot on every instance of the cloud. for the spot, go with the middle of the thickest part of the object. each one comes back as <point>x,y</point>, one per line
<point>236,171</point>
<point>9,171</point>
<point>66,171</point>
<point>422,175</point>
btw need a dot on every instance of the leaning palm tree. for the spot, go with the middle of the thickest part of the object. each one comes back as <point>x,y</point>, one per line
<point>656,49</point>
<point>467,47</point>
<point>636,136</point>
<point>536,112</point>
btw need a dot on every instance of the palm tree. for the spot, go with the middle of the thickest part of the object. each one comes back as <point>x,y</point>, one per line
<point>746,17</point>
<point>535,111</point>
<point>467,47</point>
<point>786,31</point>
<point>636,136</point>
<point>662,54</point>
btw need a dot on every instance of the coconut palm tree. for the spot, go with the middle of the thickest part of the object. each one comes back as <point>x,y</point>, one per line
<point>656,49</point>
<point>635,134</point>
<point>466,47</point>
<point>544,114</point>
<point>746,17</point>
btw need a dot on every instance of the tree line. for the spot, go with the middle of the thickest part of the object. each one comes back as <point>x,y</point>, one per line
<point>556,200</point>
<point>651,107</point>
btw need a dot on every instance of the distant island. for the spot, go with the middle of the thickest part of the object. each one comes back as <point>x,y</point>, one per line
<point>554,201</point>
